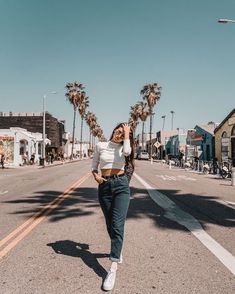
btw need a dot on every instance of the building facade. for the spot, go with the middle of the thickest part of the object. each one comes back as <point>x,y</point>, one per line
<point>145,137</point>
<point>18,145</point>
<point>33,122</point>
<point>203,140</point>
<point>225,139</point>
<point>176,144</point>
<point>163,137</point>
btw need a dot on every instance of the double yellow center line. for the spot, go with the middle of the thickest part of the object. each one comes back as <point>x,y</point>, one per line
<point>15,236</point>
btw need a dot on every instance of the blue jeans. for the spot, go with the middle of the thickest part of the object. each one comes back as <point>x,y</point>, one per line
<point>114,198</point>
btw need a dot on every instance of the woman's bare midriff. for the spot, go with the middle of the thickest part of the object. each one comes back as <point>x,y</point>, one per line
<point>111,171</point>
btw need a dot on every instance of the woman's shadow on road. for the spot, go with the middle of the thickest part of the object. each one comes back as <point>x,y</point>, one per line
<point>81,250</point>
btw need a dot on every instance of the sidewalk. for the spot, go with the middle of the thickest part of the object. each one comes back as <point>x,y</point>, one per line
<point>55,163</point>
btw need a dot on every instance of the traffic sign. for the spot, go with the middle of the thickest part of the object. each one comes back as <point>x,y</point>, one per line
<point>157,144</point>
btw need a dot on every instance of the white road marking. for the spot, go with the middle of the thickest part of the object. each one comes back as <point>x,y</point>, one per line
<point>172,178</point>
<point>186,178</point>
<point>173,212</point>
<point>162,177</point>
<point>3,192</point>
<point>227,203</point>
<point>230,202</point>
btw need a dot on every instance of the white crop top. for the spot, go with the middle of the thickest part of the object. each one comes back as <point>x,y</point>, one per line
<point>111,155</point>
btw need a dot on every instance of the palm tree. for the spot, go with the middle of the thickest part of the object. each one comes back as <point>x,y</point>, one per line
<point>134,116</point>
<point>96,132</point>
<point>133,123</point>
<point>84,103</point>
<point>134,113</point>
<point>73,94</point>
<point>103,139</point>
<point>144,113</point>
<point>100,134</point>
<point>151,93</point>
<point>91,120</point>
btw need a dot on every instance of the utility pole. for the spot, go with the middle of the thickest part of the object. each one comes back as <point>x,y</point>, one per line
<point>163,122</point>
<point>172,119</point>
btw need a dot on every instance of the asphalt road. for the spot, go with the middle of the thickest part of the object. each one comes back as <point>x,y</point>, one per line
<point>180,235</point>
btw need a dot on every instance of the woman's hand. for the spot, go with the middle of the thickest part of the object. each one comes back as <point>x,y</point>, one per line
<point>99,179</point>
<point>126,129</point>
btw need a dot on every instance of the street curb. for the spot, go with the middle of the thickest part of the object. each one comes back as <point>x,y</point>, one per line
<point>61,163</point>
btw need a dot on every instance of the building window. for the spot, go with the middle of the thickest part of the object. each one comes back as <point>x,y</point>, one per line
<point>224,135</point>
<point>224,146</point>
<point>39,149</point>
<point>233,132</point>
<point>23,147</point>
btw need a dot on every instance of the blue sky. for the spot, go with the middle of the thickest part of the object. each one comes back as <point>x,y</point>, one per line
<point>114,48</point>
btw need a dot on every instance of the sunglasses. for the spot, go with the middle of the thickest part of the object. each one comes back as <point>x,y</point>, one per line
<point>118,132</point>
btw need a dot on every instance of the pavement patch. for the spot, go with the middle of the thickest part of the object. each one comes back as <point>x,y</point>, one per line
<point>174,213</point>
<point>23,230</point>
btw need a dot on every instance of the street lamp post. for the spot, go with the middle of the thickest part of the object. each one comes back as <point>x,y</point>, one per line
<point>150,137</point>
<point>44,128</point>
<point>172,119</point>
<point>163,122</point>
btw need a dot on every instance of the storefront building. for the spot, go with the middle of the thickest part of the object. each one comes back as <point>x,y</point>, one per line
<point>225,139</point>
<point>176,144</point>
<point>203,140</point>
<point>18,145</point>
<point>33,122</point>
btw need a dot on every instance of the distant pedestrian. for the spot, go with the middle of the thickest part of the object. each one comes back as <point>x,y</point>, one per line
<point>32,159</point>
<point>48,158</point>
<point>2,160</point>
<point>52,157</point>
<point>62,156</point>
<point>25,158</point>
<point>114,190</point>
<point>181,155</point>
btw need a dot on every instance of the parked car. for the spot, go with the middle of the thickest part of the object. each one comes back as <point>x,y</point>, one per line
<point>143,155</point>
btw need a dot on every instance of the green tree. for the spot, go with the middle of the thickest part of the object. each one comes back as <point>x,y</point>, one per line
<point>144,112</point>
<point>73,94</point>
<point>83,105</point>
<point>151,93</point>
<point>91,121</point>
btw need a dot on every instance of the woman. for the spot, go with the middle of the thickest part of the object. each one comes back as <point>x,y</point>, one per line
<point>113,190</point>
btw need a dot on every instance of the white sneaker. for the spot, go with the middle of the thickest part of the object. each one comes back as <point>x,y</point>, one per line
<point>121,259</point>
<point>109,280</point>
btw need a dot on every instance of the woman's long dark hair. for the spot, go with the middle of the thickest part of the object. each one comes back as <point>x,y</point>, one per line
<point>129,159</point>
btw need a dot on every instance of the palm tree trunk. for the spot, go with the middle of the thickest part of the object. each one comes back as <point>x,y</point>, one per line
<point>143,135</point>
<point>93,143</point>
<point>90,140</point>
<point>150,135</point>
<point>81,137</point>
<point>74,119</point>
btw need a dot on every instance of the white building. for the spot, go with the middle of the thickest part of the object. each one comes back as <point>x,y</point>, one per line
<point>67,148</point>
<point>146,138</point>
<point>18,145</point>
